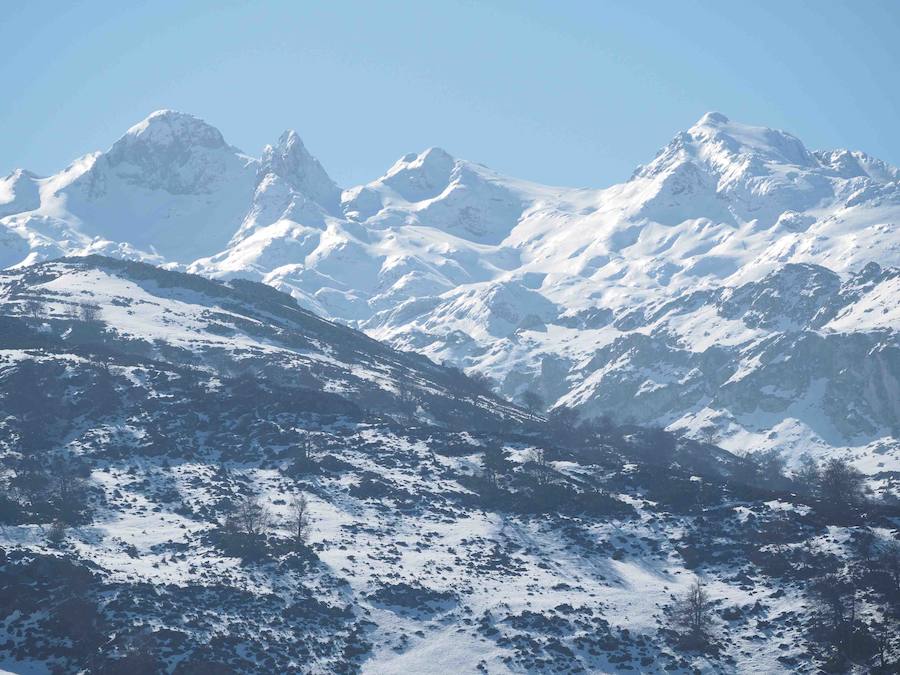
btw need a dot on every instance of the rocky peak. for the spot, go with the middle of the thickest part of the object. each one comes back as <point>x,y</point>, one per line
<point>727,150</point>
<point>417,177</point>
<point>170,151</point>
<point>170,127</point>
<point>291,161</point>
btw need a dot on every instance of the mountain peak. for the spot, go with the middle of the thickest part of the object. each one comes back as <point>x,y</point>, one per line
<point>421,176</point>
<point>715,134</point>
<point>290,138</point>
<point>173,151</point>
<point>16,174</point>
<point>717,160</point>
<point>431,160</point>
<point>723,148</point>
<point>291,161</point>
<point>170,127</point>
<point>435,153</point>
<point>19,192</point>
<point>712,118</point>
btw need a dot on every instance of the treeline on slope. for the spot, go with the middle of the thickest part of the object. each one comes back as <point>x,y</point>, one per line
<point>851,616</point>
<point>699,486</point>
<point>832,483</point>
<point>180,409</point>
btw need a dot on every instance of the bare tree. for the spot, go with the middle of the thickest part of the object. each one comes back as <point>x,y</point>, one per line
<point>841,484</point>
<point>482,381</point>
<point>540,466</point>
<point>300,519</point>
<point>831,593</point>
<point>693,612</point>
<point>770,465</point>
<point>34,309</point>
<point>249,518</point>
<point>89,313</point>
<point>562,420</point>
<point>864,542</point>
<point>139,655</point>
<point>494,461</point>
<point>306,448</point>
<point>808,473</point>
<point>765,467</point>
<point>744,469</point>
<point>66,491</point>
<point>883,639</point>
<point>57,533</point>
<point>303,453</point>
<point>659,445</point>
<point>890,562</point>
<point>406,396</point>
<point>709,435</point>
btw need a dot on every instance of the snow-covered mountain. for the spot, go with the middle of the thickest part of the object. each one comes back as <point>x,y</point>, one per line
<point>159,429</point>
<point>673,298</point>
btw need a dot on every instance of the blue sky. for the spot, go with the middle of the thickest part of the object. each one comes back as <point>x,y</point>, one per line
<point>564,93</point>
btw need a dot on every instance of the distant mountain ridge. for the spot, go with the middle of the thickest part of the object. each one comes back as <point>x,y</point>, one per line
<point>660,299</point>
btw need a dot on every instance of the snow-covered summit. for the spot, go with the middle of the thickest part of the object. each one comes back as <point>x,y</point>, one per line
<point>743,160</point>
<point>290,160</point>
<point>170,127</point>
<point>855,164</point>
<point>417,177</point>
<point>715,136</point>
<point>170,186</point>
<point>170,151</point>
<point>436,190</point>
<point>721,146</point>
<point>733,172</point>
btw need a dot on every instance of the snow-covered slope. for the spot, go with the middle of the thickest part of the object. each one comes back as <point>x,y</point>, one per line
<point>541,288</point>
<point>156,428</point>
<point>171,188</point>
<point>244,329</point>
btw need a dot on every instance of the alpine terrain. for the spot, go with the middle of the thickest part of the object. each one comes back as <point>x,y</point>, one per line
<point>450,421</point>
<point>738,284</point>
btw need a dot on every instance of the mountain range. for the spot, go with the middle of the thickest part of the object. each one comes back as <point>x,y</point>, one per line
<point>737,287</point>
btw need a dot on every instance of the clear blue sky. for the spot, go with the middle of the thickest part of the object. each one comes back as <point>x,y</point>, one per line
<point>569,93</point>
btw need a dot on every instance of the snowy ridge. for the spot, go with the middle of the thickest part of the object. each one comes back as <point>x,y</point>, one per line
<point>532,285</point>
<point>249,324</point>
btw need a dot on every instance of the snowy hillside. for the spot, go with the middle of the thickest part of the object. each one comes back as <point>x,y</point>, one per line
<point>246,330</point>
<point>624,301</point>
<point>157,430</point>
